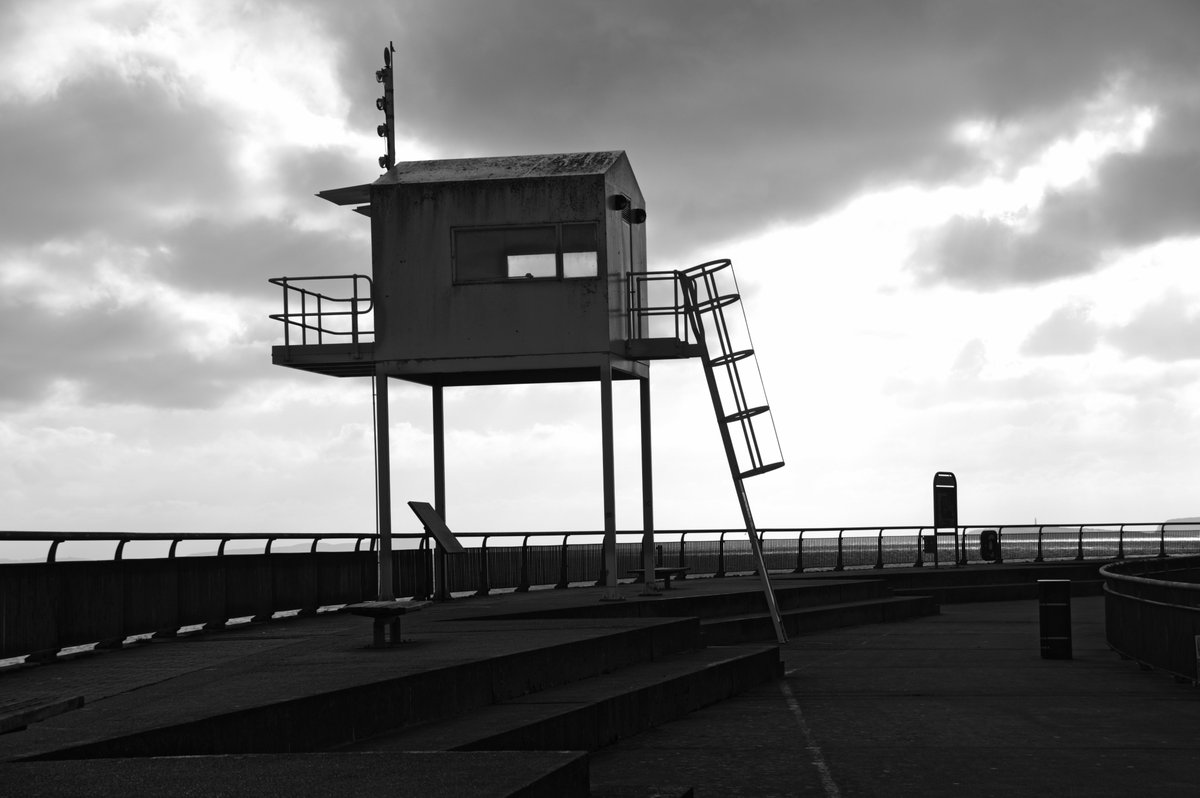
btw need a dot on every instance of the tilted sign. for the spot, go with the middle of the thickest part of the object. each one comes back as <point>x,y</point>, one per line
<point>435,526</point>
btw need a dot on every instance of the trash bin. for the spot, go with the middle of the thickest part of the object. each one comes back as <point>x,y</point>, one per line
<point>930,544</point>
<point>1054,614</point>
<point>989,545</point>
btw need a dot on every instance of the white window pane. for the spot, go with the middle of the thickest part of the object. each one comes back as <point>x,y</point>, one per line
<point>580,264</point>
<point>520,266</point>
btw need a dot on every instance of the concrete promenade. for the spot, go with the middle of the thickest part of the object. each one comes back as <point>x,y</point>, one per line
<point>960,704</point>
<point>955,704</point>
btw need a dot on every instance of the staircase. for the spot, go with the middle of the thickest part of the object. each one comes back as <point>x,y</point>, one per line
<point>716,650</point>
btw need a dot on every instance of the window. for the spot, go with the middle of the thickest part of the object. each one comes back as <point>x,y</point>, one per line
<point>579,253</point>
<point>551,251</point>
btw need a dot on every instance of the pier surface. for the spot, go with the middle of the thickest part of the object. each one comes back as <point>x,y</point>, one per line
<point>959,703</point>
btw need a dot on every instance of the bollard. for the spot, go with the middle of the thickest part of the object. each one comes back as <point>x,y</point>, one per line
<point>1054,613</point>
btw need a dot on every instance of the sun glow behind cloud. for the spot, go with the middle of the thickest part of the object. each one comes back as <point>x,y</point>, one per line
<point>851,337</point>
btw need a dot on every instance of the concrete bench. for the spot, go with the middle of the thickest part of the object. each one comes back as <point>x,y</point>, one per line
<point>17,714</point>
<point>386,616</point>
<point>664,573</point>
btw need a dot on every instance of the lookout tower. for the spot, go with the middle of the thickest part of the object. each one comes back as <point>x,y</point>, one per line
<point>525,269</point>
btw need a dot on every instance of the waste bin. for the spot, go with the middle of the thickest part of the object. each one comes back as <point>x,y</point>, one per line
<point>1054,614</point>
<point>989,545</point>
<point>930,544</point>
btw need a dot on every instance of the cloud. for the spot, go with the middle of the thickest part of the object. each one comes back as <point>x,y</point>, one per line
<point>790,108</point>
<point>1167,330</point>
<point>1070,330</point>
<point>106,155</point>
<point>116,352</point>
<point>1129,199</point>
<point>988,253</point>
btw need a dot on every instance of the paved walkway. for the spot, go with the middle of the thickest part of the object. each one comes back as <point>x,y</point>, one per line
<point>957,704</point>
<point>960,704</point>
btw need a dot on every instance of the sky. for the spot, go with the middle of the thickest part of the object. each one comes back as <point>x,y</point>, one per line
<point>966,231</point>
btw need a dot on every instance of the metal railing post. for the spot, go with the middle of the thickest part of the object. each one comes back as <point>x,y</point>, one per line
<point>1079,554</point>
<point>287,327</point>
<point>1121,543</point>
<point>1039,557</point>
<point>720,556</point>
<point>563,580</point>
<point>1162,541</point>
<point>485,577</point>
<point>682,562</point>
<point>839,565</point>
<point>799,553</point>
<point>523,586</point>
<point>999,544</point>
<point>879,549</point>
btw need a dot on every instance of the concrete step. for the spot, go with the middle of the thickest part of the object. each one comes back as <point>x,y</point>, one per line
<point>1002,591</point>
<point>951,584</point>
<point>590,714</point>
<point>482,774</point>
<point>758,626</point>
<point>308,723</point>
<point>678,602</point>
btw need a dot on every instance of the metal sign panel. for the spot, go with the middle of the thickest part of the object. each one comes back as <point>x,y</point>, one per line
<point>435,526</point>
<point>945,500</point>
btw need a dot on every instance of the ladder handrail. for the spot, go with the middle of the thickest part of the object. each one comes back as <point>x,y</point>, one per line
<point>695,312</point>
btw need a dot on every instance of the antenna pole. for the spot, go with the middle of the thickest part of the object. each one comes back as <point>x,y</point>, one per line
<point>386,103</point>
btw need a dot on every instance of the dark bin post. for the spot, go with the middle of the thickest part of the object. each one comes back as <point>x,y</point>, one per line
<point>1054,613</point>
<point>989,545</point>
<point>945,510</point>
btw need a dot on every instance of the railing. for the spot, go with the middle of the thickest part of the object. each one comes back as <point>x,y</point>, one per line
<point>55,600</point>
<point>1152,613</point>
<point>656,307</point>
<point>320,314</point>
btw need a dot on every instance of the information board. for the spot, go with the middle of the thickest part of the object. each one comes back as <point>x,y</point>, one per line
<point>435,526</point>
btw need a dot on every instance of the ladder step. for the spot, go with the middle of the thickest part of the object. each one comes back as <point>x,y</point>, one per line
<point>732,357</point>
<point>717,302</point>
<point>749,412</point>
<point>753,472</point>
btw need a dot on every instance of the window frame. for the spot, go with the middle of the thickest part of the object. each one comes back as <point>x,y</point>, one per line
<point>559,272</point>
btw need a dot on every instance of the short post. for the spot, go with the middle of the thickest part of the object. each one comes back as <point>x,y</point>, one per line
<point>1054,615</point>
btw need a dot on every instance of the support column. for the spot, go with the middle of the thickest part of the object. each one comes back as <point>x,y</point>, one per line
<point>608,575</point>
<point>383,485</point>
<point>441,591</point>
<point>648,558</point>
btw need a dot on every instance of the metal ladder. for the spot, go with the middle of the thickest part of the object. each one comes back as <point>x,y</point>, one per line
<point>743,414</point>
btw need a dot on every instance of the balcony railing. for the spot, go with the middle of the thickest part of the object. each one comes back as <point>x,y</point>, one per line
<point>656,307</point>
<point>335,312</point>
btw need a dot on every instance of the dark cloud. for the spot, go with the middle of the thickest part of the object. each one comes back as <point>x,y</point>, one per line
<point>237,256</point>
<point>105,153</point>
<point>1070,330</point>
<point>116,351</point>
<point>738,115</point>
<point>1134,200</point>
<point>988,253</point>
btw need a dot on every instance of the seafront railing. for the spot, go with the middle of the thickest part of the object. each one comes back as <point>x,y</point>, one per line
<point>64,589</point>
